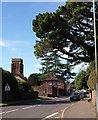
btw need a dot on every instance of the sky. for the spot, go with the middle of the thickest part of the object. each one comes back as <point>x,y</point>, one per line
<point>17,38</point>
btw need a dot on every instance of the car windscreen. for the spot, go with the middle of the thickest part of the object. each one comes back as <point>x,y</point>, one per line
<point>75,94</point>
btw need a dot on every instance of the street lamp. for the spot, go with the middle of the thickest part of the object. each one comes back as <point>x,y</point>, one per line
<point>96,64</point>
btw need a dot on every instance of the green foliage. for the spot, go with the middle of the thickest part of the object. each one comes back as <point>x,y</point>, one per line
<point>8,78</point>
<point>68,31</point>
<point>16,86</point>
<point>42,77</point>
<point>91,75</point>
<point>71,26</point>
<point>33,79</point>
<point>36,78</point>
<point>92,80</point>
<point>88,78</point>
<point>51,63</point>
<point>80,81</point>
<point>90,68</point>
<point>22,85</point>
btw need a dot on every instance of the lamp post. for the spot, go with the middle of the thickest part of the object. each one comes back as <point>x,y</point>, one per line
<point>96,64</point>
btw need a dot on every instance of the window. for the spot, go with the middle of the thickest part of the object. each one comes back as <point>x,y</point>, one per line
<point>58,83</point>
<point>49,83</point>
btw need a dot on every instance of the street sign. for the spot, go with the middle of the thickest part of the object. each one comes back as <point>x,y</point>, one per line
<point>7,87</point>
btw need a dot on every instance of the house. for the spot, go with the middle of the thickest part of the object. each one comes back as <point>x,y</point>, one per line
<point>51,86</point>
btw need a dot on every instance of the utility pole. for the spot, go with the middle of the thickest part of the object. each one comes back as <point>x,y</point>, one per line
<point>96,62</point>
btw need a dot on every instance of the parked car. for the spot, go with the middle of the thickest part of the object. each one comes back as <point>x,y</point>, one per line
<point>82,94</point>
<point>75,96</point>
<point>86,94</point>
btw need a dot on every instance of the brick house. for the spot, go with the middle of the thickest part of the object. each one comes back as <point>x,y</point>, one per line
<point>51,86</point>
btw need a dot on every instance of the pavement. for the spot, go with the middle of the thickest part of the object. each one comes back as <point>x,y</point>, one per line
<point>59,108</point>
<point>80,109</point>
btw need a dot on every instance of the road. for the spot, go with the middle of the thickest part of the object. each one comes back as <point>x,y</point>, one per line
<point>53,108</point>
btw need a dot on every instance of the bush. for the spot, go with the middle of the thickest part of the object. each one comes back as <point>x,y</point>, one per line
<point>92,80</point>
<point>8,78</point>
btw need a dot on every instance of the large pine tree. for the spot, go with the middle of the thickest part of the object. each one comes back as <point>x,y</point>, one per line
<point>69,30</point>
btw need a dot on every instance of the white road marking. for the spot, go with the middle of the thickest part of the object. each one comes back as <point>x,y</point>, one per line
<point>38,105</point>
<point>34,106</point>
<point>62,115</point>
<point>64,111</point>
<point>2,113</point>
<point>50,116</point>
<point>18,109</point>
<point>27,107</point>
<point>11,111</point>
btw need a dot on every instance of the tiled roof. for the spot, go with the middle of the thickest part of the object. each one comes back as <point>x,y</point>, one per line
<point>21,76</point>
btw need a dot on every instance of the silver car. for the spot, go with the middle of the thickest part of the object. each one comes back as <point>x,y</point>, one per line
<point>75,96</point>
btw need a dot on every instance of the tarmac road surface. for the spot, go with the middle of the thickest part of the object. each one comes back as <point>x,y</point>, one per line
<point>43,110</point>
<point>40,109</point>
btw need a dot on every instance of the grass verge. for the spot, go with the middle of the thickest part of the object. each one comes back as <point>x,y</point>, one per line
<point>7,103</point>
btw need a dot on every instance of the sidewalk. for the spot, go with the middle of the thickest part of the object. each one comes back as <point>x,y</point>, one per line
<point>81,109</point>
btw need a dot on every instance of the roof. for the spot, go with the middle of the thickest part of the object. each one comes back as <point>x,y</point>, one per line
<point>52,77</point>
<point>21,76</point>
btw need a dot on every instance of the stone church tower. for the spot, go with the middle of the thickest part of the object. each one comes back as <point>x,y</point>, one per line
<point>17,66</point>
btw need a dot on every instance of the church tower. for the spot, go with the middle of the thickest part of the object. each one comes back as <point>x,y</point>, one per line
<point>17,66</point>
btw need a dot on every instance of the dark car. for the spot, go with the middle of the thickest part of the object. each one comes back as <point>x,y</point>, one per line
<point>75,96</point>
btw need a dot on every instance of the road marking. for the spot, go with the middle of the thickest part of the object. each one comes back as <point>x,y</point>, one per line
<point>62,115</point>
<point>50,116</point>
<point>64,111</point>
<point>38,105</point>
<point>11,111</point>
<point>27,107</point>
<point>34,106</point>
<point>2,113</point>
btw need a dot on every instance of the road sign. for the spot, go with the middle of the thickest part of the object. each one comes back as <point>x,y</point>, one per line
<point>7,87</point>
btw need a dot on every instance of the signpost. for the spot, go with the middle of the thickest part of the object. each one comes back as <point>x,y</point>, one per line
<point>7,89</point>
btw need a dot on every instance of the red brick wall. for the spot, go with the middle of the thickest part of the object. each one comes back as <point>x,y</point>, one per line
<point>54,84</point>
<point>50,90</point>
<point>43,91</point>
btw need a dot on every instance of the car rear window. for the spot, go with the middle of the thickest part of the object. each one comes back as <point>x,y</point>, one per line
<point>76,93</point>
